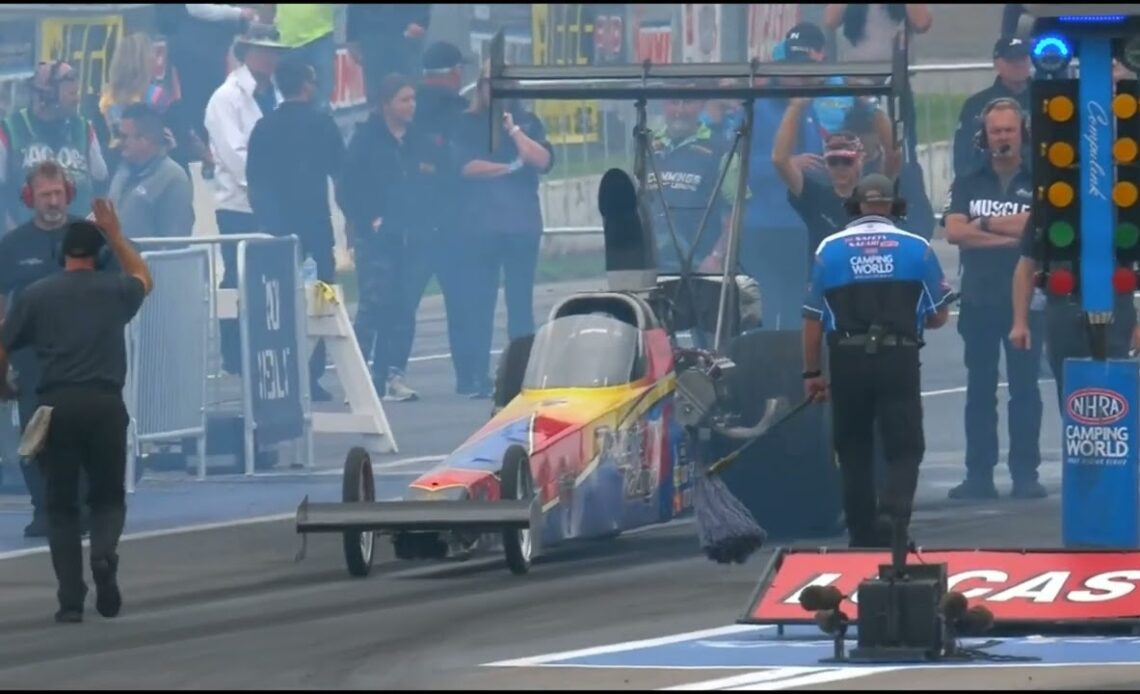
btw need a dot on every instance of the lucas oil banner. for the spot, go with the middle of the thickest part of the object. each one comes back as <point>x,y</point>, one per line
<point>1098,454</point>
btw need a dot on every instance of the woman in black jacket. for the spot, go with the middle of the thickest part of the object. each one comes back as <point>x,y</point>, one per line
<point>388,192</point>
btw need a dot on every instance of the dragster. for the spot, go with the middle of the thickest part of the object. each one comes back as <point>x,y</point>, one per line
<point>602,418</point>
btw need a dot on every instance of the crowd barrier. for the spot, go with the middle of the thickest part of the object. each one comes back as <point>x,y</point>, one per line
<point>180,396</point>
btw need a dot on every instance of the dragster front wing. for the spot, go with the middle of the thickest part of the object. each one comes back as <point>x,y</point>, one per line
<point>418,516</point>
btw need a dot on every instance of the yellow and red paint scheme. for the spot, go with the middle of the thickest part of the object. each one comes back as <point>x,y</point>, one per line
<point>602,459</point>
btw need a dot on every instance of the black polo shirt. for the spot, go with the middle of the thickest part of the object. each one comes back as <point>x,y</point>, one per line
<point>987,273</point>
<point>821,208</point>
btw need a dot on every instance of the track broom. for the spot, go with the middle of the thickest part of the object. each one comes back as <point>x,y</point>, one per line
<point>727,530</point>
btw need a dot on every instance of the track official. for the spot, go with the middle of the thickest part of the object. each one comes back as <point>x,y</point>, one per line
<point>873,289</point>
<point>74,322</point>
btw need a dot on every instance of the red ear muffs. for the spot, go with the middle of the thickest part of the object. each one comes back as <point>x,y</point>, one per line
<point>26,192</point>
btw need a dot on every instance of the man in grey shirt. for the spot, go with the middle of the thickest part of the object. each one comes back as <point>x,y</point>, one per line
<point>152,193</point>
<point>74,321</point>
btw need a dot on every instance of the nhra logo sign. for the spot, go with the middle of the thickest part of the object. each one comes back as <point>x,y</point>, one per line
<point>1096,407</point>
<point>1015,586</point>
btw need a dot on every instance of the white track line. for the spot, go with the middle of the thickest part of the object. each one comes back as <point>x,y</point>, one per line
<point>780,678</point>
<point>627,646</point>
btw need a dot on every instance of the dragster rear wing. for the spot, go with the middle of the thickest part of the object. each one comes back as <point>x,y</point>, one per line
<point>395,516</point>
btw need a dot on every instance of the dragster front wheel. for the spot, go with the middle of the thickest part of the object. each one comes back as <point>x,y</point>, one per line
<point>358,486</point>
<point>516,484</point>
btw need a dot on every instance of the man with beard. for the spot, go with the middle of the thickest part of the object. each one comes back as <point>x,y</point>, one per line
<point>29,253</point>
<point>51,129</point>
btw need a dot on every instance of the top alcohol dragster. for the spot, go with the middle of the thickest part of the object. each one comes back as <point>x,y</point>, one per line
<point>603,418</point>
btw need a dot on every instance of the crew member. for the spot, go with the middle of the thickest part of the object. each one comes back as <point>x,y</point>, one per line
<point>689,160</point>
<point>985,216</point>
<point>75,321</point>
<point>29,253</point>
<point>874,287</point>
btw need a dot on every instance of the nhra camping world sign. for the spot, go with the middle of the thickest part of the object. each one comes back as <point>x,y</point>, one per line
<point>1099,476</point>
<point>1016,586</point>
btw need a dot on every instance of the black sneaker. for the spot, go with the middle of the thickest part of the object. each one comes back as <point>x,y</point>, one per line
<point>108,600</point>
<point>1028,490</point>
<point>65,616</point>
<point>974,490</point>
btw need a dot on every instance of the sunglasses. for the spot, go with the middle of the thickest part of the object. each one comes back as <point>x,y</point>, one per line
<point>840,161</point>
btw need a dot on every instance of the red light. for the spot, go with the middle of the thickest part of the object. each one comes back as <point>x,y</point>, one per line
<point>1124,280</point>
<point>1061,282</point>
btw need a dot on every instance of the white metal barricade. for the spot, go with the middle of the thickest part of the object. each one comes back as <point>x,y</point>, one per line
<point>168,356</point>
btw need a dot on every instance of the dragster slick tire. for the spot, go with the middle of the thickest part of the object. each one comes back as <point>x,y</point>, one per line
<point>358,486</point>
<point>790,478</point>
<point>515,484</point>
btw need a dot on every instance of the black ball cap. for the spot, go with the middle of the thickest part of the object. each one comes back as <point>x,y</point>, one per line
<point>82,239</point>
<point>442,55</point>
<point>874,188</point>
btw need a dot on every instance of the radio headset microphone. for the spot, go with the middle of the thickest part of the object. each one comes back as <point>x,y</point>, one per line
<point>1005,149</point>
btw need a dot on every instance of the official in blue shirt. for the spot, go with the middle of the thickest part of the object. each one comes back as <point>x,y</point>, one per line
<point>873,289</point>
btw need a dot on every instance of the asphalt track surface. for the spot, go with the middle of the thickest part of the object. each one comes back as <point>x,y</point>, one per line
<point>230,607</point>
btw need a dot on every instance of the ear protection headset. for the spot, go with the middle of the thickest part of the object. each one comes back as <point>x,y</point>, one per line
<point>981,141</point>
<point>898,205</point>
<point>26,190</point>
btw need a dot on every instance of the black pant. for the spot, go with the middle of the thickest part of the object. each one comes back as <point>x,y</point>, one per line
<point>440,255</point>
<point>230,223</point>
<point>33,473</point>
<point>865,388</point>
<point>516,256</point>
<point>1066,336</point>
<point>88,433</point>
<point>382,326</point>
<point>985,331</point>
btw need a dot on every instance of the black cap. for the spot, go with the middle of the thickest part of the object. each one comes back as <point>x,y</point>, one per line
<point>82,239</point>
<point>874,188</point>
<point>442,55</point>
<point>1011,48</point>
<point>801,40</point>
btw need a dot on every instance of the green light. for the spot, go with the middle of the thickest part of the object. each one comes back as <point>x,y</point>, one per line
<point>1127,235</point>
<point>1061,234</point>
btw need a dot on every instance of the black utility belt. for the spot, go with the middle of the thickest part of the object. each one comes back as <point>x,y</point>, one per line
<point>865,339</point>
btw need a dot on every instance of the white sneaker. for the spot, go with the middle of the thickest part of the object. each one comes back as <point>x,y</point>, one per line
<point>397,390</point>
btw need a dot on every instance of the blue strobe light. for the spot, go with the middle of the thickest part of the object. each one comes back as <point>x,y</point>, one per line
<point>1051,53</point>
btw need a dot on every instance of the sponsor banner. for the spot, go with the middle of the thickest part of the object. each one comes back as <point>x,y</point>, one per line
<point>1048,587</point>
<point>1100,485</point>
<point>767,26</point>
<point>86,43</point>
<point>655,42</point>
<point>1096,167</point>
<point>348,82</point>
<point>701,33</point>
<point>564,35</point>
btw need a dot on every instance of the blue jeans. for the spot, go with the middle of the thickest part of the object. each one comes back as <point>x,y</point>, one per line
<point>321,55</point>
<point>985,330</point>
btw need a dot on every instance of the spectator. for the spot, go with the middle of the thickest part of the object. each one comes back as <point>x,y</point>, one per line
<point>873,32</point>
<point>1011,62</point>
<point>868,124</point>
<point>51,129</point>
<point>199,36</point>
<point>307,29</point>
<point>504,217</point>
<point>774,244</point>
<point>233,110</point>
<point>439,108</point>
<point>387,39</point>
<point>132,81</point>
<point>152,194</point>
<point>294,151</point>
<point>389,192</point>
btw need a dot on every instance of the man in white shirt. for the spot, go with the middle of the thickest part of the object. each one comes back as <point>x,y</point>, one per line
<point>233,110</point>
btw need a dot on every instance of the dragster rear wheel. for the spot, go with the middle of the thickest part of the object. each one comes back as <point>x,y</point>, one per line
<point>358,486</point>
<point>516,484</point>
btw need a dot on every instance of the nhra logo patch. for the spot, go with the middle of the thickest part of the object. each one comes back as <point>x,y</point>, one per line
<point>873,265</point>
<point>1096,407</point>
